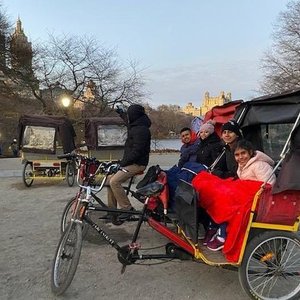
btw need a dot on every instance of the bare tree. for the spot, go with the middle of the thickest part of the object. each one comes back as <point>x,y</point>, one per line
<point>281,64</point>
<point>5,27</point>
<point>166,119</point>
<point>73,63</point>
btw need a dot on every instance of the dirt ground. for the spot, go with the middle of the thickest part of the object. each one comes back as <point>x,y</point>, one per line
<point>29,225</point>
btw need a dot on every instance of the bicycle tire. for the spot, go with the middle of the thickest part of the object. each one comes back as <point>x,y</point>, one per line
<point>70,173</point>
<point>66,217</point>
<point>270,266</point>
<point>27,174</point>
<point>71,239</point>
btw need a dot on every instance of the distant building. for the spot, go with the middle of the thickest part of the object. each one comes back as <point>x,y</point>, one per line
<point>207,104</point>
<point>90,94</point>
<point>16,58</point>
<point>20,51</point>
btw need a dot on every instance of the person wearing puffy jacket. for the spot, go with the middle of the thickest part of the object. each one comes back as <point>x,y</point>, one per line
<point>135,158</point>
<point>190,146</point>
<point>253,165</point>
<point>210,144</point>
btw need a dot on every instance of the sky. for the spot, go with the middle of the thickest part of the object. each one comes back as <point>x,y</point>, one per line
<point>183,48</point>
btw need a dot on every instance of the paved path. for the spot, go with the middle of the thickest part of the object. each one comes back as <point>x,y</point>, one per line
<point>12,167</point>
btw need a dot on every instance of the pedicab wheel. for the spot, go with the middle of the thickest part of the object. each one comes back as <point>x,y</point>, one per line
<point>66,258</point>
<point>70,173</point>
<point>67,215</point>
<point>28,174</point>
<point>271,266</point>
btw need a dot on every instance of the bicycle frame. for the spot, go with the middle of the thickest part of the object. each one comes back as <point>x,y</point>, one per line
<point>143,216</point>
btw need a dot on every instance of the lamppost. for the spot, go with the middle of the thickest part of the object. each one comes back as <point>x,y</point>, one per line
<point>66,102</point>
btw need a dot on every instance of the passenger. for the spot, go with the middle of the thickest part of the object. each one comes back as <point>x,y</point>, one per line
<point>253,164</point>
<point>188,151</point>
<point>208,150</point>
<point>135,158</point>
<point>210,144</point>
<point>225,168</point>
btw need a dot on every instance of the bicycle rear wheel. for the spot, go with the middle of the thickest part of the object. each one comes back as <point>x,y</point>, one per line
<point>70,173</point>
<point>66,258</point>
<point>270,267</point>
<point>67,215</point>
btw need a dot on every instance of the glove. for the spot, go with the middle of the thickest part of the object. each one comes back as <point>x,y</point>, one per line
<point>114,168</point>
<point>119,110</point>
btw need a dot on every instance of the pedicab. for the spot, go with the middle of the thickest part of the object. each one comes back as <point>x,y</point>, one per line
<point>41,139</point>
<point>105,137</point>
<point>266,246</point>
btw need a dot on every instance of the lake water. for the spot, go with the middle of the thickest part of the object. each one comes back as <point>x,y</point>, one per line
<point>174,144</point>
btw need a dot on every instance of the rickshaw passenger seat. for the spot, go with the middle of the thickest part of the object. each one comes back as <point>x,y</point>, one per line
<point>282,208</point>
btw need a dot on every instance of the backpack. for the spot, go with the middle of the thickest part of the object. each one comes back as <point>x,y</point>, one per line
<point>150,176</point>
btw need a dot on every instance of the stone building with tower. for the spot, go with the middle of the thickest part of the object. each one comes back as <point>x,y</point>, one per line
<point>208,103</point>
<point>16,62</point>
<point>20,50</point>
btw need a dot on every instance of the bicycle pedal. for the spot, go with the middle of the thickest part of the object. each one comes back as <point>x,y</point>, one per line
<point>117,222</point>
<point>123,269</point>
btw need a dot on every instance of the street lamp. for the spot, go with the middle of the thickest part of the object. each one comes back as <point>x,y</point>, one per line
<point>66,101</point>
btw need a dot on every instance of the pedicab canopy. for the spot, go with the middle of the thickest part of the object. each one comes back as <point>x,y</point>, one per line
<point>222,114</point>
<point>268,122</point>
<point>105,133</point>
<point>45,134</point>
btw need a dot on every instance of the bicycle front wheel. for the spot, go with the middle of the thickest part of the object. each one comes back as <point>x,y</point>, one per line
<point>271,266</point>
<point>66,258</point>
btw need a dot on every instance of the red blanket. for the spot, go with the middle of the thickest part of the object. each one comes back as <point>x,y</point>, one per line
<point>227,201</point>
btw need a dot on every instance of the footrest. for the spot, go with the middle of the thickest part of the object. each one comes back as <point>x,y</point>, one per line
<point>172,216</point>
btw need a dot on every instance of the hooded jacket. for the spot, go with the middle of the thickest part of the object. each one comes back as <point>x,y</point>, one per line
<point>259,167</point>
<point>137,145</point>
<point>188,151</point>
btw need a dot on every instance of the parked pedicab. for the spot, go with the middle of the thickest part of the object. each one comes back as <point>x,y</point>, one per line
<point>268,253</point>
<point>105,137</point>
<point>41,139</point>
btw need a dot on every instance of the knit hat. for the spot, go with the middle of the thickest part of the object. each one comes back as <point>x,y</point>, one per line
<point>233,126</point>
<point>208,126</point>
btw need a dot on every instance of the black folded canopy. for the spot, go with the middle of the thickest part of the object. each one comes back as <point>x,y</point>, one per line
<point>62,125</point>
<point>282,108</point>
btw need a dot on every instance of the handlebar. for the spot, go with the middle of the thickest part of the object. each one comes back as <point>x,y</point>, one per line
<point>70,155</point>
<point>106,168</point>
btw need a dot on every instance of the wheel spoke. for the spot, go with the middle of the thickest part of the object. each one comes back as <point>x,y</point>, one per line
<point>66,258</point>
<point>273,266</point>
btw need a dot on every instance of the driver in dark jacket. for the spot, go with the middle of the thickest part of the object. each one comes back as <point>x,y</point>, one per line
<point>135,158</point>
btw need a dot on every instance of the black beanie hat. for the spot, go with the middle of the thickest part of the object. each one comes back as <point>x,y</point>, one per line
<point>233,126</point>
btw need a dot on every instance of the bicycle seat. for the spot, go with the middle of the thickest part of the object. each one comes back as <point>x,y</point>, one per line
<point>151,189</point>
